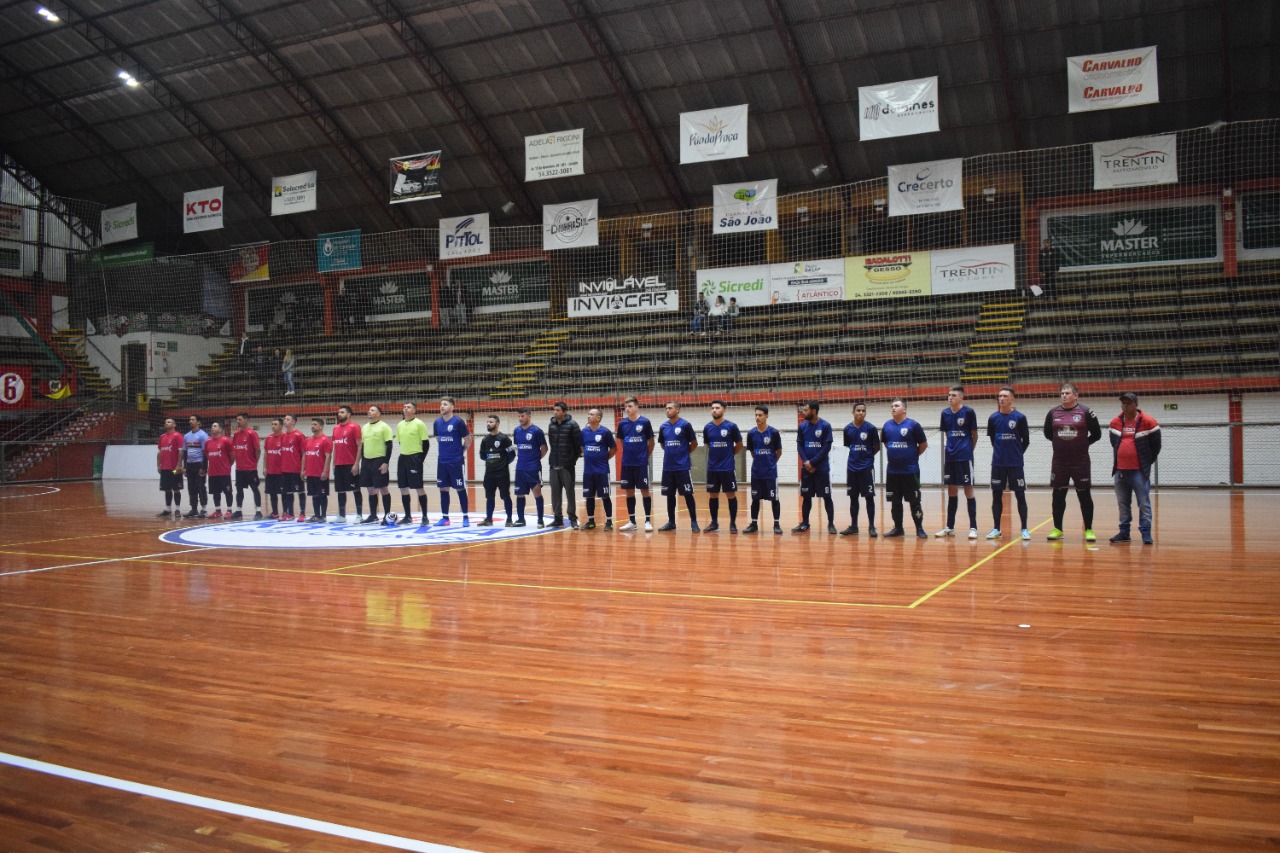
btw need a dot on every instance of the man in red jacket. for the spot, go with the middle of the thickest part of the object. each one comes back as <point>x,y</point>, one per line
<point>1135,444</point>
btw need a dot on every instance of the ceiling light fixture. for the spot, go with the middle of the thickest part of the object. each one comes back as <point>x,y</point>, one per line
<point>819,170</point>
<point>48,15</point>
<point>508,206</point>
<point>129,79</point>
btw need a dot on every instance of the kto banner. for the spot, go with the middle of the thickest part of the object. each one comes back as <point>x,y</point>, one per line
<point>202,210</point>
<point>1139,162</point>
<point>719,134</point>
<point>748,206</point>
<point>930,187</point>
<point>898,109</point>
<point>1106,81</point>
<point>553,155</point>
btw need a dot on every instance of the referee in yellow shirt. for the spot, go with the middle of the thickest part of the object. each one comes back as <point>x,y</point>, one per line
<point>414,444</point>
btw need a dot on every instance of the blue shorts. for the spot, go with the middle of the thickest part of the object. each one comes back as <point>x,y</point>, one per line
<point>862,482</point>
<point>817,484</point>
<point>676,482</point>
<point>722,481</point>
<point>957,473</point>
<point>1008,477</point>
<point>449,475</point>
<point>764,490</point>
<point>595,484</point>
<point>527,481</point>
<point>634,477</point>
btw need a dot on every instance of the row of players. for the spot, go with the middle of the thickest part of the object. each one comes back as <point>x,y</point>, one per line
<point>360,458</point>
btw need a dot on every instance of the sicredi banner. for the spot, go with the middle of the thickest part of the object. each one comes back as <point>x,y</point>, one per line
<point>571,226</point>
<point>553,155</point>
<point>749,285</point>
<point>898,109</point>
<point>464,236</point>
<point>1106,81</point>
<point>632,295</point>
<point>719,134</point>
<point>972,270</point>
<point>513,286</point>
<point>293,193</point>
<point>930,187</point>
<point>202,210</point>
<point>748,206</point>
<point>807,281</point>
<point>120,224</point>
<point>887,275</point>
<point>1139,162</point>
<point>338,251</point>
<point>1135,236</point>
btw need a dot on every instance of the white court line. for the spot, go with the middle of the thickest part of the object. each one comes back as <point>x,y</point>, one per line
<point>97,562</point>
<point>51,490</point>
<point>225,807</point>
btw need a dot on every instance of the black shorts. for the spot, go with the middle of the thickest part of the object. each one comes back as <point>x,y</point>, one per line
<point>957,473</point>
<point>343,479</point>
<point>1060,477</point>
<point>170,481</point>
<point>1008,477</point>
<point>817,484</point>
<point>317,488</point>
<point>246,479</point>
<point>676,482</point>
<point>634,477</point>
<point>862,483</point>
<point>291,482</point>
<point>722,481</point>
<point>595,484</point>
<point>195,475</point>
<point>409,470</point>
<point>274,485</point>
<point>371,474</point>
<point>899,486</point>
<point>764,490</point>
<point>498,480</point>
<point>220,485</point>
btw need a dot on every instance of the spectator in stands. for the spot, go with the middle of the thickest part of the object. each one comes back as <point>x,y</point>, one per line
<point>718,314</point>
<point>732,315</point>
<point>1135,444</point>
<point>287,365</point>
<point>700,311</point>
<point>564,438</point>
<point>1050,262</point>
<point>244,353</point>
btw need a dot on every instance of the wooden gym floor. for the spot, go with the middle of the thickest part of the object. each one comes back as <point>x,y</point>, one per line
<point>663,692</point>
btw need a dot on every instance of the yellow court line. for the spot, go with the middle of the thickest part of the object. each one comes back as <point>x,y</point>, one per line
<point>931,593</point>
<point>47,509</point>
<point>86,537</point>
<point>418,554</point>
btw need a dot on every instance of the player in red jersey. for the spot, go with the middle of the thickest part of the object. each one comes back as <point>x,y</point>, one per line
<point>292,443</point>
<point>169,464</point>
<point>318,454</point>
<point>219,454</point>
<point>248,449</point>
<point>272,453</point>
<point>346,463</point>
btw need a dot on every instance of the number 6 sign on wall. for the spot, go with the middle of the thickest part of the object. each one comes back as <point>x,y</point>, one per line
<point>15,384</point>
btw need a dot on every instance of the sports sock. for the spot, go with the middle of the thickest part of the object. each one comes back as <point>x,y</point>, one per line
<point>1059,507</point>
<point>1086,506</point>
<point>693,508</point>
<point>1022,507</point>
<point>408,506</point>
<point>806,506</point>
<point>540,504</point>
<point>608,507</point>
<point>520,502</point>
<point>953,503</point>
<point>506,503</point>
<point>997,508</point>
<point>671,508</point>
<point>733,512</point>
<point>973,513</point>
<point>462,502</point>
<point>591,507</point>
<point>275,504</point>
<point>714,505</point>
<point>489,502</point>
<point>648,507</point>
<point>755,510</point>
<point>342,503</point>
<point>777,511</point>
<point>288,503</point>
<point>853,511</point>
<point>871,511</point>
<point>422,505</point>
<point>386,504</point>
<point>631,507</point>
<point>359,503</point>
<point>830,506</point>
<point>444,502</point>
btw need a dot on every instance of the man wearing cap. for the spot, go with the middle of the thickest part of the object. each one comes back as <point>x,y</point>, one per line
<point>1135,444</point>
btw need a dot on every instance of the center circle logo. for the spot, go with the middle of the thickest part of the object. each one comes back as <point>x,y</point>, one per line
<point>293,534</point>
<point>568,225</point>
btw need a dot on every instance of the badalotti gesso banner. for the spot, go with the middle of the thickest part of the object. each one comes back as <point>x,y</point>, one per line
<point>1134,237</point>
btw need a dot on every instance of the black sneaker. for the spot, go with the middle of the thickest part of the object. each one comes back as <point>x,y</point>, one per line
<point>370,519</point>
<point>517,523</point>
<point>871,531</point>
<point>164,514</point>
<point>712,527</point>
<point>851,530</point>
<point>257,516</point>
<point>488,522</point>
<point>751,528</point>
<point>1120,537</point>
<point>670,525</point>
<point>191,514</point>
<point>831,528</point>
<point>802,527</point>
<point>557,522</point>
<point>237,515</point>
<point>541,524</point>
<point>693,525</point>
<point>733,529</point>
<point>897,531</point>
<point>203,514</point>
<point>510,523</point>
<point>590,525</point>
<point>315,519</point>
<point>405,522</point>
<point>920,534</point>
<point>573,522</point>
<point>608,524</point>
<point>777,529</point>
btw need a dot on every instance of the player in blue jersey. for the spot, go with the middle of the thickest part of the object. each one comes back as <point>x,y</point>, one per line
<point>863,441</point>
<point>764,443</point>
<point>1010,437</point>
<point>531,446</point>
<point>724,441</point>
<point>904,444</point>
<point>959,426</point>
<point>678,441</point>
<point>452,441</point>
<point>813,441</point>
<point>635,434</point>
<point>598,447</point>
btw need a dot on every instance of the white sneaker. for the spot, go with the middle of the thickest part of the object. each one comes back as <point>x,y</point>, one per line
<point>342,519</point>
<point>630,525</point>
<point>994,534</point>
<point>1026,535</point>
<point>946,531</point>
<point>648,526</point>
<point>973,533</point>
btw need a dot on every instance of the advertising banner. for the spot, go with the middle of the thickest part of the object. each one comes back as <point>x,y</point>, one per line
<point>971,270</point>
<point>120,224</point>
<point>632,295</point>
<point>898,109</point>
<point>807,281</point>
<point>291,309</point>
<point>1140,162</point>
<point>1107,81</point>
<point>464,236</point>
<point>390,296</point>
<point>202,210</point>
<point>251,263</point>
<point>748,206</point>
<point>1258,232</point>
<point>571,226</point>
<point>514,286</point>
<point>888,275</point>
<point>10,222</point>
<point>553,155</point>
<point>930,187</point>
<point>415,177</point>
<point>339,250</point>
<point>1133,237</point>
<point>719,134</point>
<point>293,194</point>
<point>124,256</point>
<point>749,285</point>
<point>15,387</point>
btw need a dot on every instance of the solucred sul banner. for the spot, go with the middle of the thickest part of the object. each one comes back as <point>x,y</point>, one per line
<point>630,295</point>
<point>293,193</point>
<point>1107,81</point>
<point>202,210</point>
<point>1140,162</point>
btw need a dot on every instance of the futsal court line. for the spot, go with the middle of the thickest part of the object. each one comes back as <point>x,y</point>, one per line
<point>931,593</point>
<point>86,538</point>
<point>98,562</point>
<point>226,807</point>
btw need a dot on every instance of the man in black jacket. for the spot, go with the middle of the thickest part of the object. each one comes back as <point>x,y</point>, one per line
<point>564,437</point>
